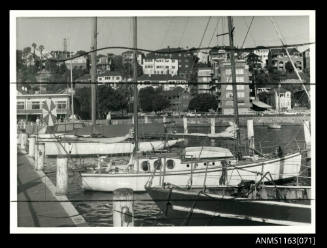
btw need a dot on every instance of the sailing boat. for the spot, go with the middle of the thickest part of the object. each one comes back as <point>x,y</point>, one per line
<point>246,201</point>
<point>99,140</point>
<point>194,167</point>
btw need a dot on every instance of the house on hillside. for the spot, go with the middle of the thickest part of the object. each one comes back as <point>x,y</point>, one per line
<point>280,99</point>
<point>167,82</point>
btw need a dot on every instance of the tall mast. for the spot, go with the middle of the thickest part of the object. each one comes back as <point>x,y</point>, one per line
<point>232,60</point>
<point>93,73</point>
<point>136,147</point>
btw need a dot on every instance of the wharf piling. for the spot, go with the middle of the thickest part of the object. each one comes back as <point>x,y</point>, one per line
<point>123,212</point>
<point>185,124</point>
<point>39,158</point>
<point>250,136</point>
<point>31,146</point>
<point>62,175</point>
<point>23,141</point>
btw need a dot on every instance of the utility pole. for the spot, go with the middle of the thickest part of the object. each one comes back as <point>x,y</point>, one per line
<point>232,60</point>
<point>136,148</point>
<point>93,73</point>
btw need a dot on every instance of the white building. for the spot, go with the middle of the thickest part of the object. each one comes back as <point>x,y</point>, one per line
<point>263,56</point>
<point>160,66</point>
<point>29,106</point>
<point>280,99</point>
<point>167,82</point>
<point>111,78</point>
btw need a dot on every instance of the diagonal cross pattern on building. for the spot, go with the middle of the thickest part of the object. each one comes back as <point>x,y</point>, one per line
<point>49,111</point>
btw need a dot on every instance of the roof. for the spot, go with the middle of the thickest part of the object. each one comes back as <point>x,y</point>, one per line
<point>83,77</point>
<point>110,73</point>
<point>168,51</point>
<point>261,104</point>
<point>282,50</point>
<point>281,90</point>
<point>159,77</point>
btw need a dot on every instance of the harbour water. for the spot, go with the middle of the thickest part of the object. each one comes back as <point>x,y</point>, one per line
<point>96,207</point>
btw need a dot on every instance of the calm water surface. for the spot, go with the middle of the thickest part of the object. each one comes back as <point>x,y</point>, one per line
<point>96,207</point>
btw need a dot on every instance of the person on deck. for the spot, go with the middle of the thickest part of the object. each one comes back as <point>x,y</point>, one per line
<point>109,118</point>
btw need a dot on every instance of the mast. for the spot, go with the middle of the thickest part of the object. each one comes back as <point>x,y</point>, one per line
<point>232,60</point>
<point>93,73</point>
<point>136,147</point>
<point>71,80</point>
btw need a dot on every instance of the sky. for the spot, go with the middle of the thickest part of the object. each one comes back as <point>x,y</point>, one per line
<point>157,32</point>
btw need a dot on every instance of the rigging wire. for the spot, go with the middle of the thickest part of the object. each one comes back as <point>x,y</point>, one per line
<point>216,28</point>
<point>186,24</point>
<point>205,30</point>
<point>245,25</point>
<point>247,32</point>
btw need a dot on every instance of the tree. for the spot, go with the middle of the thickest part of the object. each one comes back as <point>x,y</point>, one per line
<point>151,99</point>
<point>203,102</point>
<point>41,48</point>
<point>34,47</point>
<point>288,67</point>
<point>83,97</point>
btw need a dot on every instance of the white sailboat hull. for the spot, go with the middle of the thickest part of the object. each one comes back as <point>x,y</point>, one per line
<point>288,166</point>
<point>97,148</point>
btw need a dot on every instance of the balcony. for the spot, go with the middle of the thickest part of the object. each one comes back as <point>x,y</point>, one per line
<point>39,111</point>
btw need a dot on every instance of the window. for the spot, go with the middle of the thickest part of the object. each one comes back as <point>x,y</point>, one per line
<point>229,95</point>
<point>240,87</point>
<point>186,66</point>
<point>228,72</point>
<point>157,164</point>
<point>240,79</point>
<point>35,105</point>
<point>145,165</point>
<point>117,78</point>
<point>229,87</point>
<point>240,71</point>
<point>106,78</point>
<point>170,164</point>
<point>20,105</point>
<point>61,104</point>
<point>240,94</point>
<point>229,103</point>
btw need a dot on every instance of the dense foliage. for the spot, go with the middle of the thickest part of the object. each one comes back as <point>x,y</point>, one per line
<point>203,102</point>
<point>151,99</point>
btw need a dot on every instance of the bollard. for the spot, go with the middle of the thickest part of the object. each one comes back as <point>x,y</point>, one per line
<point>250,136</point>
<point>164,119</point>
<point>123,212</point>
<point>185,124</point>
<point>62,175</point>
<point>23,142</point>
<point>31,146</point>
<point>39,158</point>
<point>213,126</point>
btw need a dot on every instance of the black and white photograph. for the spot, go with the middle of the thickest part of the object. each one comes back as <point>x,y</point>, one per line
<point>162,121</point>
